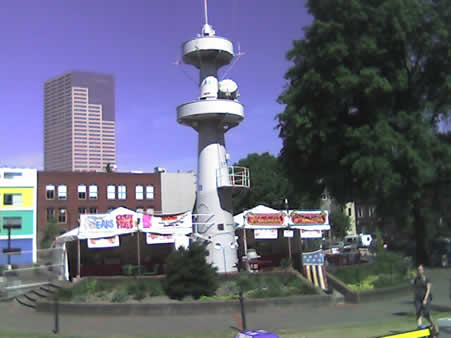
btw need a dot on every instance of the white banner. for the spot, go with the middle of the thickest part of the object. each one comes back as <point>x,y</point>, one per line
<point>109,242</point>
<point>107,225</point>
<point>265,233</point>
<point>310,233</point>
<point>288,233</point>
<point>167,224</point>
<point>152,238</point>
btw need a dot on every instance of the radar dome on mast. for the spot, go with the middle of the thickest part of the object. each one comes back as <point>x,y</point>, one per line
<point>228,89</point>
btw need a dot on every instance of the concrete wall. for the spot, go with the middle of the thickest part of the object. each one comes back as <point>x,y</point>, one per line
<point>178,192</point>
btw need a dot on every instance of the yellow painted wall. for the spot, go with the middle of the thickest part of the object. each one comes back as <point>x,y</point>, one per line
<point>27,197</point>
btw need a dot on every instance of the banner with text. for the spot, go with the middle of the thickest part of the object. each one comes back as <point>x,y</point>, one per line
<point>309,220</point>
<point>311,233</point>
<point>152,238</point>
<point>265,234</point>
<point>269,220</point>
<point>107,225</point>
<point>167,224</point>
<point>109,242</point>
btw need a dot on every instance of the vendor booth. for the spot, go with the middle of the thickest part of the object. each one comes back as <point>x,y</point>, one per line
<point>267,236</point>
<point>124,242</point>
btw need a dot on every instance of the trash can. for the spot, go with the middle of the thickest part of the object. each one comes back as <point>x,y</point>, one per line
<point>444,327</point>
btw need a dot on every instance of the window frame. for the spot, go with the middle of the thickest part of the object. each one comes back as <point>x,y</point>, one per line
<point>150,190</point>
<point>80,192</point>
<point>93,193</point>
<point>62,192</point>
<point>62,211</point>
<point>139,195</point>
<point>51,214</point>
<point>122,192</point>
<point>47,190</point>
<point>110,195</point>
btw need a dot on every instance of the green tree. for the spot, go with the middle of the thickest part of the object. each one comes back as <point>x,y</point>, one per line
<point>49,233</point>
<point>339,223</point>
<point>189,274</point>
<point>269,186</point>
<point>370,81</point>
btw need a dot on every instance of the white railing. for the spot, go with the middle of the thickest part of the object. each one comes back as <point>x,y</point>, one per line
<point>236,177</point>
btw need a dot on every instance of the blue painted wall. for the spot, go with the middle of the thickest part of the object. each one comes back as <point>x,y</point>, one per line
<point>24,257</point>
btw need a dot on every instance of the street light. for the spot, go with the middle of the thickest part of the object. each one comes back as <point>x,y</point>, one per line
<point>9,251</point>
<point>289,238</point>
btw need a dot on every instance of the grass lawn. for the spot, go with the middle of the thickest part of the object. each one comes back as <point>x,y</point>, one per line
<point>363,331</point>
<point>388,270</point>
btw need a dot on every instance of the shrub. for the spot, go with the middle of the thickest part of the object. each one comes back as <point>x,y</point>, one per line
<point>139,294</point>
<point>284,263</point>
<point>65,293</point>
<point>120,296</point>
<point>188,273</point>
<point>154,288</point>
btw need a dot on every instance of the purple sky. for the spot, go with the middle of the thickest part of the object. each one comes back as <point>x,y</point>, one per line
<point>139,42</point>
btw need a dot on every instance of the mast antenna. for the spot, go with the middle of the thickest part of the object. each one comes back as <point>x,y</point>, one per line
<point>206,12</point>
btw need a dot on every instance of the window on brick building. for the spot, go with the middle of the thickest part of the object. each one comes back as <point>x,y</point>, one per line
<point>93,192</point>
<point>62,192</point>
<point>149,192</point>
<point>111,192</point>
<point>50,192</point>
<point>139,192</point>
<point>122,192</point>
<point>82,192</point>
<point>50,214</point>
<point>62,216</point>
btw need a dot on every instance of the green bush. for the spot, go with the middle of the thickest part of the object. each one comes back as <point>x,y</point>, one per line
<point>188,274</point>
<point>154,288</point>
<point>120,296</point>
<point>139,294</point>
<point>65,293</point>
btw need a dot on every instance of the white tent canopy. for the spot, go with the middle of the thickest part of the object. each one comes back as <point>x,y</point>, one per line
<point>259,209</point>
<point>122,221</point>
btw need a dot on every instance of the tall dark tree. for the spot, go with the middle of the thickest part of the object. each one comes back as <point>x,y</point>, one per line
<point>269,186</point>
<point>370,81</point>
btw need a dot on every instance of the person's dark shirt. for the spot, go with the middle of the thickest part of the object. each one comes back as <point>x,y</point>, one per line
<point>421,288</point>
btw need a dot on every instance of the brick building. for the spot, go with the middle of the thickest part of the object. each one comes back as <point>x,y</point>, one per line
<point>65,195</point>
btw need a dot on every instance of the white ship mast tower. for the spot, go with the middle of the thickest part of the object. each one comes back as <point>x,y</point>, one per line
<point>215,112</point>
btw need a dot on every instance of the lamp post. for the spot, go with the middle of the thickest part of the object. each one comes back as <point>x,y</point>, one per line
<point>9,251</point>
<point>289,238</point>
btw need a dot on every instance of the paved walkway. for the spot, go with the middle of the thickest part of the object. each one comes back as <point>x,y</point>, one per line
<point>15,316</point>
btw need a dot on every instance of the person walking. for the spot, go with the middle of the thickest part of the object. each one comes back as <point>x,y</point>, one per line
<point>423,297</point>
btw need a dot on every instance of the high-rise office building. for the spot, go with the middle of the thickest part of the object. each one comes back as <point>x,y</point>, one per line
<point>79,122</point>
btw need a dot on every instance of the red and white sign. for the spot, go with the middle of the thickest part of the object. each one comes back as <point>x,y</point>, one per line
<point>159,239</point>
<point>107,242</point>
<point>265,234</point>
<point>310,233</point>
<point>273,219</point>
<point>309,218</point>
